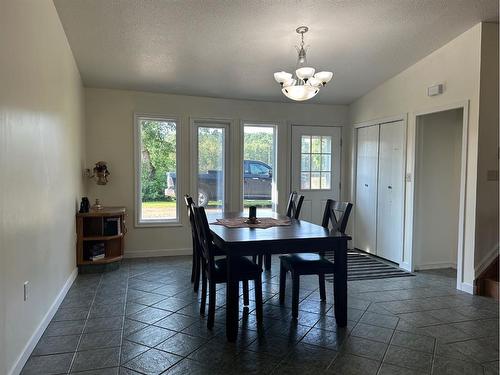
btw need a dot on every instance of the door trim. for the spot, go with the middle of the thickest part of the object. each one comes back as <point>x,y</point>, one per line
<point>464,105</point>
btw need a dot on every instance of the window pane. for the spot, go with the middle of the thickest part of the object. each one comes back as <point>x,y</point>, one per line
<point>305,162</point>
<point>316,144</point>
<point>326,145</point>
<point>326,162</point>
<point>305,181</point>
<point>306,144</point>
<point>325,180</point>
<point>258,178</point>
<point>158,170</point>
<point>315,162</point>
<point>211,168</point>
<point>315,180</point>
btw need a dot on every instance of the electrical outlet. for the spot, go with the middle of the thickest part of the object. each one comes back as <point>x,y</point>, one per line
<point>26,283</point>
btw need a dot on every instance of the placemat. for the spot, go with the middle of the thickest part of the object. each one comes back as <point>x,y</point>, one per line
<point>263,222</point>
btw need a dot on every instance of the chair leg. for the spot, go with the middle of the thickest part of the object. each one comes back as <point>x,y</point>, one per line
<point>211,305</point>
<point>260,257</point>
<point>246,299</point>
<point>322,291</point>
<point>282,283</point>
<point>258,299</point>
<point>295,295</point>
<point>254,259</point>
<point>203,291</point>
<point>193,266</point>
<point>267,262</point>
<point>196,285</point>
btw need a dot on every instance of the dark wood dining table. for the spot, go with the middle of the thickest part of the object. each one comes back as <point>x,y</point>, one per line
<point>299,237</point>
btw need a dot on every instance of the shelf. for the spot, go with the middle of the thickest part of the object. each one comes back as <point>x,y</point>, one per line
<point>102,238</point>
<point>102,261</point>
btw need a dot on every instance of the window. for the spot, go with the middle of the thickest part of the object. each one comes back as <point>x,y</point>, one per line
<point>259,154</point>
<point>315,162</point>
<point>210,177</point>
<point>156,171</point>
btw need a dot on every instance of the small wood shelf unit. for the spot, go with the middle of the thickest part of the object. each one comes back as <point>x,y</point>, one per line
<point>91,229</point>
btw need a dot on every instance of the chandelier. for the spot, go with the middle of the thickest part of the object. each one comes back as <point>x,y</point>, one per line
<point>304,83</point>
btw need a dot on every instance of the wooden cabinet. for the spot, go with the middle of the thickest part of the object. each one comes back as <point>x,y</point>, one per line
<point>100,228</point>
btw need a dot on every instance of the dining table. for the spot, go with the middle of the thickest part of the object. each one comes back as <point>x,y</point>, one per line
<point>299,237</point>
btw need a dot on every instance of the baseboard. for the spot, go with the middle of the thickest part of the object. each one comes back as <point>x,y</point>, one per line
<point>25,354</point>
<point>157,253</point>
<point>467,288</point>
<point>436,265</point>
<point>490,257</point>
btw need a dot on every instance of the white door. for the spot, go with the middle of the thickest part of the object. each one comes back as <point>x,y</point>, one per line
<point>316,168</point>
<point>391,191</point>
<point>365,207</point>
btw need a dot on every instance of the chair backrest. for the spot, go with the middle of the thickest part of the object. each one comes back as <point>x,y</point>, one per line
<point>330,216</point>
<point>294,205</point>
<point>207,247</point>
<point>189,201</point>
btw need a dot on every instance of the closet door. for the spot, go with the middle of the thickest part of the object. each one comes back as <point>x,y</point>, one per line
<point>390,209</point>
<point>365,208</point>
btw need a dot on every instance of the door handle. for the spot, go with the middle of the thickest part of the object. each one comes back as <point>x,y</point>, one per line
<point>389,187</point>
<point>255,178</point>
<point>366,185</point>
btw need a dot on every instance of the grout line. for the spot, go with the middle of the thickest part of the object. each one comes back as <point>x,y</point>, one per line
<point>84,326</point>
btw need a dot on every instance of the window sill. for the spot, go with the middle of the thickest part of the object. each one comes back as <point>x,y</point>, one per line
<point>157,224</point>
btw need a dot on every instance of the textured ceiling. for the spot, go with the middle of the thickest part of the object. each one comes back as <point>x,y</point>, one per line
<point>231,48</point>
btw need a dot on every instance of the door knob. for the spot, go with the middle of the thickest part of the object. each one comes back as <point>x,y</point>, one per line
<point>389,187</point>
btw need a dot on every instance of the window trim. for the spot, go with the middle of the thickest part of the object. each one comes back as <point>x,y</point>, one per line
<point>137,164</point>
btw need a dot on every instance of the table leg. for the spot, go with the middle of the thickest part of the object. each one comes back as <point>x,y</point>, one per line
<point>232,300</point>
<point>340,284</point>
<point>267,262</point>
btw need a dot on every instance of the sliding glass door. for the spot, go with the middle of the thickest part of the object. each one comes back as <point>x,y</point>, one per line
<point>259,171</point>
<point>210,164</point>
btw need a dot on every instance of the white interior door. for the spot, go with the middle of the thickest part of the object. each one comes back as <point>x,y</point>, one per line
<point>316,168</point>
<point>365,207</point>
<point>390,209</point>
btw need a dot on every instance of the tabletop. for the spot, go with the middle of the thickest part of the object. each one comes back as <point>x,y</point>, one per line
<point>292,236</point>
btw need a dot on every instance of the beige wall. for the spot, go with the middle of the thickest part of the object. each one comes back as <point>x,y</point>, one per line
<point>41,156</point>
<point>457,65</point>
<point>437,189</point>
<point>487,190</point>
<point>110,137</point>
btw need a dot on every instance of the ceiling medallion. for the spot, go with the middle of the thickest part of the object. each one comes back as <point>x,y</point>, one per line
<point>304,84</point>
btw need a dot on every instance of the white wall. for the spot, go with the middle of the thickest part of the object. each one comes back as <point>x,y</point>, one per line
<point>41,156</point>
<point>110,115</point>
<point>437,189</point>
<point>457,65</point>
<point>487,189</point>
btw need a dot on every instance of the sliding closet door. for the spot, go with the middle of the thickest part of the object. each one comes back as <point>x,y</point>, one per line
<point>365,208</point>
<point>391,191</point>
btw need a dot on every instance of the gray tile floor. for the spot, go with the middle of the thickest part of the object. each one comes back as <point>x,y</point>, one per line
<point>144,319</point>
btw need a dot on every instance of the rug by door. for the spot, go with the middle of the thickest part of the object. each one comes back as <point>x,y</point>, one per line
<point>361,266</point>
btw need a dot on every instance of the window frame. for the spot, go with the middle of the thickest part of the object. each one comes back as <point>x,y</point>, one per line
<point>141,223</point>
<point>321,171</point>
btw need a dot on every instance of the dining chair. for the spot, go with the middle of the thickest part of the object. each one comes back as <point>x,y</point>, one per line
<point>293,208</point>
<point>215,271</point>
<point>313,264</point>
<point>195,268</point>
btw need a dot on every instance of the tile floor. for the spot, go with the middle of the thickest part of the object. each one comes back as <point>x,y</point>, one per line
<point>144,319</point>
